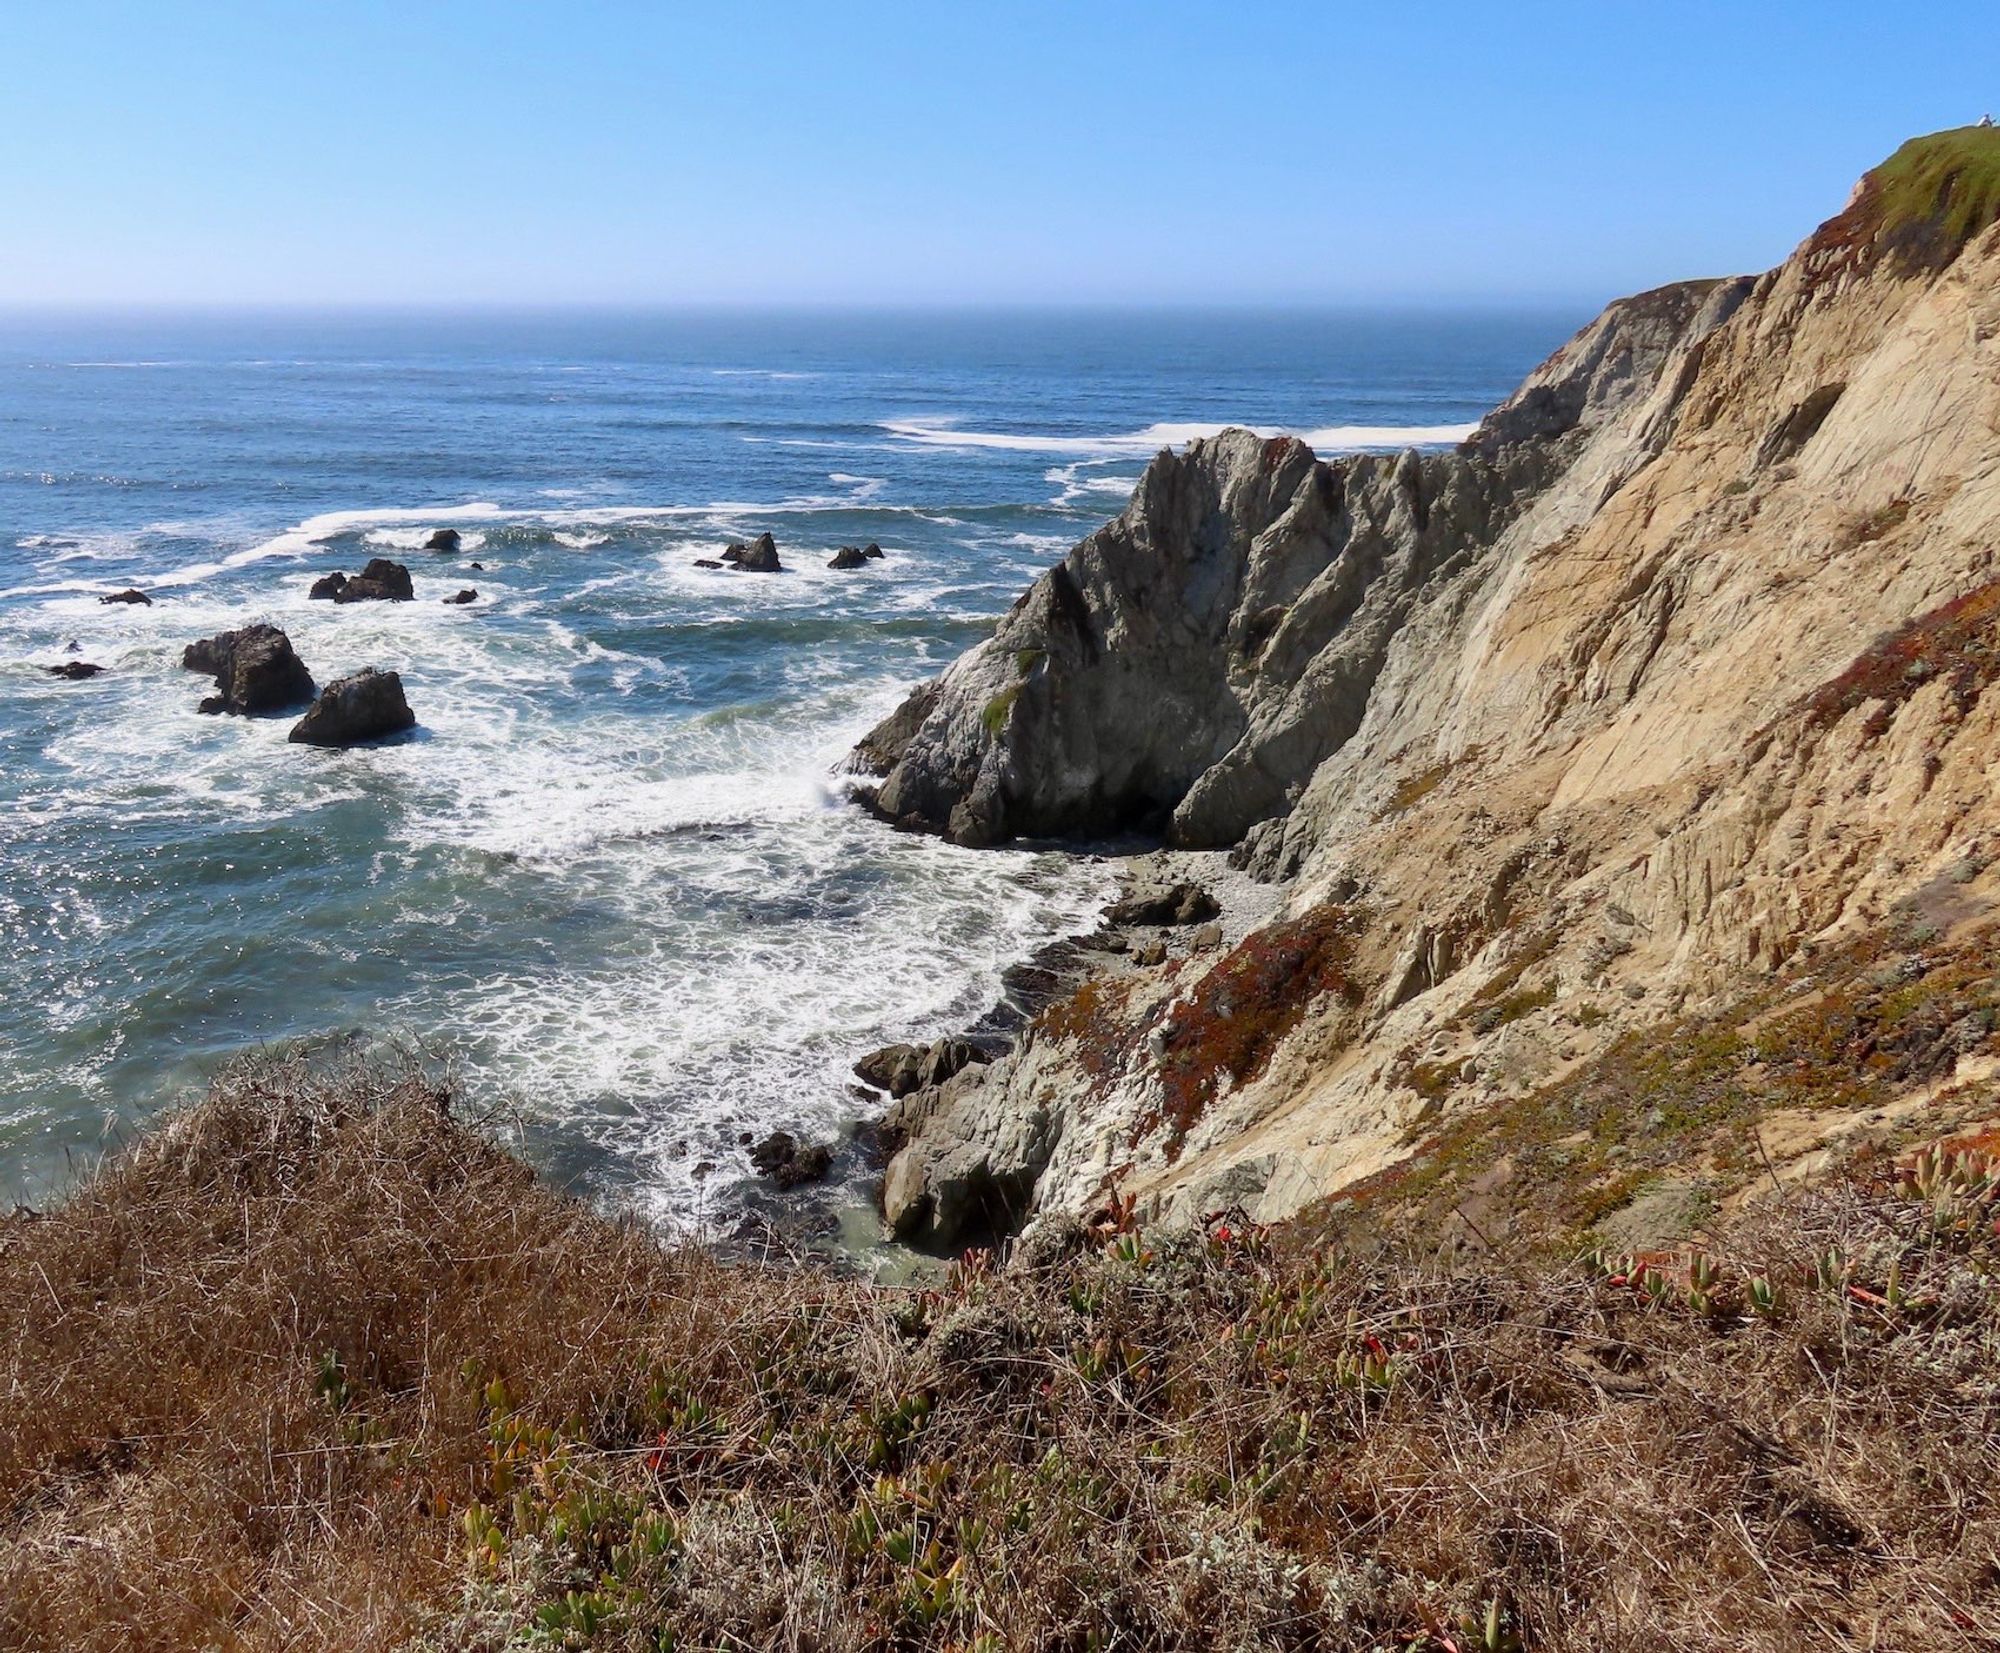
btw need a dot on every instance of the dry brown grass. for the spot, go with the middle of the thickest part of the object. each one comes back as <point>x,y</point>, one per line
<point>315,1367</point>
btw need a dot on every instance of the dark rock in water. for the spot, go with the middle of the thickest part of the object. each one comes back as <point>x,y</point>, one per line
<point>760,556</point>
<point>480,566</point>
<point>849,556</point>
<point>790,1163</point>
<point>901,1069</point>
<point>871,551</point>
<point>328,587</point>
<point>468,595</point>
<point>254,668</point>
<point>1182,903</point>
<point>881,1068</point>
<point>72,647</point>
<point>706,562</point>
<point>442,539</point>
<point>382,581</point>
<point>75,670</point>
<point>131,594</point>
<point>364,707</point>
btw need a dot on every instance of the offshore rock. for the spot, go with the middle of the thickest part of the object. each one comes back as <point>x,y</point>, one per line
<point>760,556</point>
<point>468,595</point>
<point>131,594</point>
<point>367,706</point>
<point>380,581</point>
<point>442,539</point>
<point>849,556</point>
<point>255,671</point>
<point>1188,666</point>
<point>74,670</point>
<point>791,1163</point>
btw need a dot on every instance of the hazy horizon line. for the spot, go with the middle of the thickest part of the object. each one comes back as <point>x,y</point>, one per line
<point>35,309</point>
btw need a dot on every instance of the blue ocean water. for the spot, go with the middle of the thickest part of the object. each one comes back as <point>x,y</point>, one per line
<point>612,877</point>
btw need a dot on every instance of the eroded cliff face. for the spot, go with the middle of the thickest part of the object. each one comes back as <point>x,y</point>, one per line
<point>1670,678</point>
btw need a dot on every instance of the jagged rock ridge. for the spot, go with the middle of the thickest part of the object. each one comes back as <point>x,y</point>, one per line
<point>1191,663</point>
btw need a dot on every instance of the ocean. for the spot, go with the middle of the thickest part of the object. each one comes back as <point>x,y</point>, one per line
<point>612,880</point>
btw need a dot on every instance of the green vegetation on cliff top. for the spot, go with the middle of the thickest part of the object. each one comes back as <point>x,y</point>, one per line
<point>1935,193</point>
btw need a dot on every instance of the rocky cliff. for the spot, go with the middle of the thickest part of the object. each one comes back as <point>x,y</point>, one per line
<point>1189,665</point>
<point>1664,683</point>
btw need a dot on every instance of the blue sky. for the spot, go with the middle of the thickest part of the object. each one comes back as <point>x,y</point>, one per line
<point>431,152</point>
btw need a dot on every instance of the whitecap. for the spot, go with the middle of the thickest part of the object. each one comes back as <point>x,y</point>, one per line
<point>945,433</point>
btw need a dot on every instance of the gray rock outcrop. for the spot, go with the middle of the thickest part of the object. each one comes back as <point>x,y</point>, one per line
<point>1187,667</point>
<point>903,1069</point>
<point>1181,903</point>
<point>367,706</point>
<point>255,669</point>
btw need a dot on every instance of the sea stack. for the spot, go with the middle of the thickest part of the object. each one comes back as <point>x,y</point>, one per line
<point>354,710</point>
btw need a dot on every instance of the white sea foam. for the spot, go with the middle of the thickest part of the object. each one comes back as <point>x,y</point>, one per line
<point>945,433</point>
<point>306,537</point>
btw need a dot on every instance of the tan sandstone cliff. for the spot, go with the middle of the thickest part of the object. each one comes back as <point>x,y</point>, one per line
<point>1672,677</point>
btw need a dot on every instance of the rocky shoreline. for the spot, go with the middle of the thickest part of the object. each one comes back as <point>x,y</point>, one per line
<point>927,1093</point>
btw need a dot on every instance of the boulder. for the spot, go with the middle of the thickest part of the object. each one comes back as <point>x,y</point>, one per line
<point>255,671</point>
<point>478,567</point>
<point>442,539</point>
<point>131,594</point>
<point>381,581</point>
<point>364,707</point>
<point>791,1163</point>
<point>884,1068</point>
<point>328,587</point>
<point>849,556</point>
<point>74,670</point>
<point>468,595</point>
<point>1181,903</point>
<point>706,562</point>
<point>903,1069</point>
<point>760,556</point>
<point>872,551</point>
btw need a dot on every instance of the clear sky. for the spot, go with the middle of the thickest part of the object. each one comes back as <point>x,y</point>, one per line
<point>954,152</point>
